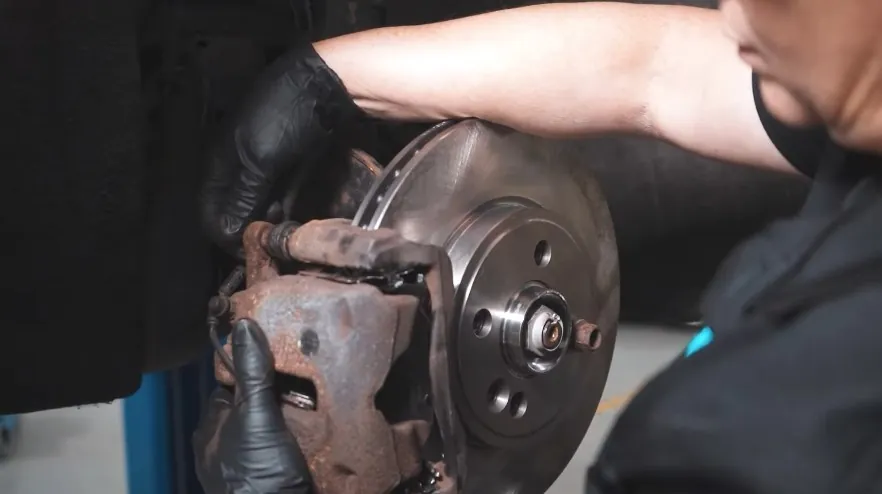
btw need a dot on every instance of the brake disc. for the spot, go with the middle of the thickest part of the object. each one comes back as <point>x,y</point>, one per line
<point>532,246</point>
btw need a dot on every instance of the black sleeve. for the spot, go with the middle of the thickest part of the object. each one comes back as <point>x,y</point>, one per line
<point>803,148</point>
<point>738,418</point>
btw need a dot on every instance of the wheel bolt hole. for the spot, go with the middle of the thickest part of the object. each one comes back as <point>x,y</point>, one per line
<point>482,323</point>
<point>498,396</point>
<point>542,254</point>
<point>518,405</point>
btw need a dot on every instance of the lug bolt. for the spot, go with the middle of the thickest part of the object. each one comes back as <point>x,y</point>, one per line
<point>586,336</point>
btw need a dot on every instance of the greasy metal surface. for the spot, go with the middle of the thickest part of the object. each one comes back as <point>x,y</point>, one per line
<point>489,196</point>
<point>343,339</point>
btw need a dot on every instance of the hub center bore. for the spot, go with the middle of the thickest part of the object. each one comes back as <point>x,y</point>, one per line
<point>537,343</point>
<point>544,331</point>
<point>551,335</point>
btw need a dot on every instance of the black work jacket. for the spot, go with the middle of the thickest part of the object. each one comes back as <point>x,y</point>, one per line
<point>787,398</point>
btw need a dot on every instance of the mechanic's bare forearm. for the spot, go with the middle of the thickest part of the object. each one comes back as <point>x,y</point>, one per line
<point>567,70</point>
<point>553,69</point>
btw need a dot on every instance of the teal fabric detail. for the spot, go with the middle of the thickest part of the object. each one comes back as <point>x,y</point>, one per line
<point>702,339</point>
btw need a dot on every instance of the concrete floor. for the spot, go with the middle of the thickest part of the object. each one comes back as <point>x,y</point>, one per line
<point>80,451</point>
<point>72,450</point>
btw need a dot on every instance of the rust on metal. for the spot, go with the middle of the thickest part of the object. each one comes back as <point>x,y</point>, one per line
<point>259,266</point>
<point>409,438</point>
<point>586,336</point>
<point>343,339</point>
<point>339,243</point>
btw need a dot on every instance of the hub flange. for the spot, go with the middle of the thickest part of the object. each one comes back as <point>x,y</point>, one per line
<point>532,248</point>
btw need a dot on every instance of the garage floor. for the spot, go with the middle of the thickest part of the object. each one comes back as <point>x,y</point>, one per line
<point>80,451</point>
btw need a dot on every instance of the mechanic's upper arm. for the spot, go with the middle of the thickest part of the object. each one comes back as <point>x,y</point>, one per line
<point>701,95</point>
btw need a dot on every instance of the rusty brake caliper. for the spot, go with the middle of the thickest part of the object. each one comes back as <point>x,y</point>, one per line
<point>357,321</point>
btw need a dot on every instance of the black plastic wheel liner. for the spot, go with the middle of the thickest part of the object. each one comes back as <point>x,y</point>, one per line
<point>73,202</point>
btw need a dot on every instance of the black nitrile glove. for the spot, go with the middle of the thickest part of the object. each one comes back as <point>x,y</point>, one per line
<point>242,445</point>
<point>288,118</point>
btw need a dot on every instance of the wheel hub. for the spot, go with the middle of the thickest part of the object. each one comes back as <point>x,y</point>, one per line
<point>532,249</point>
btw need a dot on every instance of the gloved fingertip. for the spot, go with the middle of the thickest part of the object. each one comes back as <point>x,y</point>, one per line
<point>228,231</point>
<point>252,356</point>
<point>231,226</point>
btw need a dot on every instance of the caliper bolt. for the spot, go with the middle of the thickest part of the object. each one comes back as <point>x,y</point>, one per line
<point>586,336</point>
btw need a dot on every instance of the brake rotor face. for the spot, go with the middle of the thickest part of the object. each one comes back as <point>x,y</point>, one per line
<point>533,249</point>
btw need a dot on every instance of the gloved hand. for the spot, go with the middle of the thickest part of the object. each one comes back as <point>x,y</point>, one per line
<point>289,117</point>
<point>242,445</point>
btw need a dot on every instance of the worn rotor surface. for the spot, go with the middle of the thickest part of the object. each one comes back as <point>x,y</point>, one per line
<point>533,252</point>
